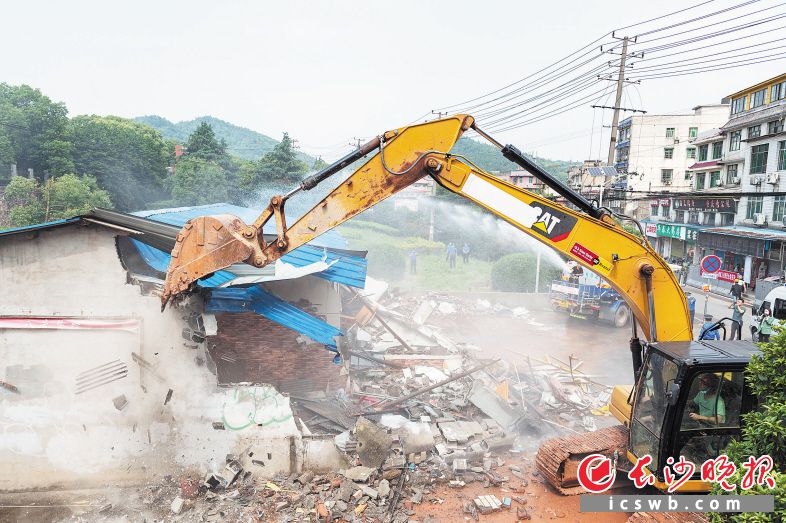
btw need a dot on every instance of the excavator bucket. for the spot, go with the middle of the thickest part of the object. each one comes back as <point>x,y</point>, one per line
<point>205,245</point>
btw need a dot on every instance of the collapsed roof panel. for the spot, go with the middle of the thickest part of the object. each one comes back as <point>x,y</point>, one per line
<point>256,299</point>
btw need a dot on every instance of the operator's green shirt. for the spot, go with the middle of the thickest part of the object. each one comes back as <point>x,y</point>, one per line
<point>707,405</point>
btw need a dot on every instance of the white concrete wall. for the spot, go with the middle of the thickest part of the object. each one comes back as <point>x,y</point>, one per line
<point>52,437</point>
<point>648,140</point>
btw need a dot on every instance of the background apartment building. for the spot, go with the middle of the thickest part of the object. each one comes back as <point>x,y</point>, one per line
<point>737,201</point>
<point>654,152</point>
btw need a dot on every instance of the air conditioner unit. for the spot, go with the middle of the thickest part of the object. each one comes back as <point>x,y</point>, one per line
<point>735,180</point>
<point>720,183</point>
<point>755,179</point>
<point>668,182</point>
<point>772,178</point>
<point>759,218</point>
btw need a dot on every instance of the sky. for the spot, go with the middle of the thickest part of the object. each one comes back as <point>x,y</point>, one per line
<point>330,72</point>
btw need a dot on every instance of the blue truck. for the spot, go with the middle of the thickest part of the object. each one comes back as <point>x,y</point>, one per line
<point>585,295</point>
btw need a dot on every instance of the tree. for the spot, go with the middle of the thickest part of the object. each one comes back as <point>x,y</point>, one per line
<point>203,144</point>
<point>127,158</point>
<point>69,195</point>
<point>279,165</point>
<point>199,182</point>
<point>319,164</point>
<point>764,429</point>
<point>35,132</point>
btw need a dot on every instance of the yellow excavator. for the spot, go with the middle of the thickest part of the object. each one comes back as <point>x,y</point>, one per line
<point>688,395</point>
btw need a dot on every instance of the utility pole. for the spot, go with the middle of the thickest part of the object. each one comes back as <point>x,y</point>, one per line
<point>617,102</point>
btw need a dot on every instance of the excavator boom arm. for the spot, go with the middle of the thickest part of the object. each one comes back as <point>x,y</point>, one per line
<point>405,155</point>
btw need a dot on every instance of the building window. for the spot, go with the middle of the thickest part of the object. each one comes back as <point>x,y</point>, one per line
<point>691,153</point>
<point>665,176</point>
<point>709,218</point>
<point>679,217</point>
<point>715,179</point>
<point>759,158</point>
<point>693,132</point>
<point>717,150</point>
<point>668,152</point>
<point>757,98</point>
<point>738,105</point>
<point>755,204</point>
<point>778,92</point>
<point>754,131</point>
<point>731,174</point>
<point>664,211</point>
<point>654,209</point>
<point>688,175</point>
<point>734,140</point>
<point>703,150</point>
<point>693,217</point>
<point>774,127</point>
<point>782,155</point>
<point>669,132</point>
<point>700,180</point>
<point>779,208</point>
<point>727,218</point>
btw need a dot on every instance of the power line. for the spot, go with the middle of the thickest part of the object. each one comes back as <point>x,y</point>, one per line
<point>702,17</point>
<point>702,59</point>
<point>464,103</point>
<point>664,16</point>
<point>698,71</point>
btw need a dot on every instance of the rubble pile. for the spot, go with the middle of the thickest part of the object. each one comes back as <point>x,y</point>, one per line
<point>422,414</point>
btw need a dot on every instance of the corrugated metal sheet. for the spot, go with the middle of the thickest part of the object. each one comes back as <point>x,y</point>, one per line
<point>159,260</point>
<point>36,226</point>
<point>180,215</point>
<point>270,306</point>
<point>347,269</point>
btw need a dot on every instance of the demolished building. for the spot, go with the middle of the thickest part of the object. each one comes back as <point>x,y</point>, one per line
<point>98,385</point>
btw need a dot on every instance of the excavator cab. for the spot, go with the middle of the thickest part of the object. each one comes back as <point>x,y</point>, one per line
<point>688,401</point>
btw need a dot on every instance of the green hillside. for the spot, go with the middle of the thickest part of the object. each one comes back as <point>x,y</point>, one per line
<point>489,158</point>
<point>241,142</point>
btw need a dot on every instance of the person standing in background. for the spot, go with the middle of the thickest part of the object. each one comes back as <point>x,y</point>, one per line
<point>413,261</point>
<point>737,289</point>
<point>465,252</point>
<point>737,311</point>
<point>765,326</point>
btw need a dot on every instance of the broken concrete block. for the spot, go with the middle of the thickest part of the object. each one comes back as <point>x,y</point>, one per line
<point>358,473</point>
<point>340,506</point>
<point>231,471</point>
<point>345,491</point>
<point>456,483</point>
<point>120,402</point>
<point>459,465</point>
<point>442,449</point>
<point>373,442</point>
<point>487,504</point>
<point>218,425</point>
<point>306,477</point>
<point>177,505</point>
<point>383,488</point>
<point>281,505</point>
<point>370,492</point>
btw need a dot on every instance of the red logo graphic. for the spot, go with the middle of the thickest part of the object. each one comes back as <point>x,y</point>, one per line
<point>596,473</point>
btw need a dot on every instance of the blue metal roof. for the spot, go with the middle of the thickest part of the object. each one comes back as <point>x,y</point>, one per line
<point>256,299</point>
<point>178,216</point>
<point>159,260</point>
<point>347,269</point>
<point>37,226</point>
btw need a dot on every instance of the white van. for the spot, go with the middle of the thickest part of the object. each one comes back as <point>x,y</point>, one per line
<point>776,303</point>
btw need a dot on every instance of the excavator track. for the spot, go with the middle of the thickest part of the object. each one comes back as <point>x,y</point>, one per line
<point>558,458</point>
